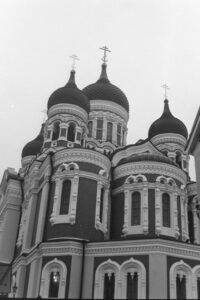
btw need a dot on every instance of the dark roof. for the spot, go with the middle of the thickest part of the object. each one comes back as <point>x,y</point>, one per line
<point>146,157</point>
<point>34,147</point>
<point>105,90</point>
<point>167,123</point>
<point>69,94</point>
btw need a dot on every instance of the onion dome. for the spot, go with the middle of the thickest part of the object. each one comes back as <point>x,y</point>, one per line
<point>167,123</point>
<point>146,157</point>
<point>69,94</point>
<point>34,147</point>
<point>104,90</point>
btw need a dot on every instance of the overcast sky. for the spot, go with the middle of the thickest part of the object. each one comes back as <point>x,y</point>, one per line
<point>152,42</point>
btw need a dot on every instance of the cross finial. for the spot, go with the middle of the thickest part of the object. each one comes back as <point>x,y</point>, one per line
<point>165,87</point>
<point>74,58</point>
<point>105,49</point>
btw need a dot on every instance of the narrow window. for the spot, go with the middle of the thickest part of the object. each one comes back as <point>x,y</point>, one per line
<point>54,284</point>
<point>109,286</point>
<point>101,205</point>
<point>90,129</point>
<point>109,131</point>
<point>119,134</point>
<point>99,129</point>
<point>71,133</point>
<point>136,208</point>
<point>65,197</point>
<point>166,210</point>
<point>180,287</point>
<point>132,286</point>
<point>191,225</point>
<point>56,129</point>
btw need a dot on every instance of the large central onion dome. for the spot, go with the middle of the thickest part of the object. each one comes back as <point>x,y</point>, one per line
<point>69,94</point>
<point>104,90</point>
<point>167,123</point>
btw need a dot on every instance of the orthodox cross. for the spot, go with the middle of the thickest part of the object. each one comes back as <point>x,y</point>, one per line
<point>165,87</point>
<point>105,49</point>
<point>74,58</point>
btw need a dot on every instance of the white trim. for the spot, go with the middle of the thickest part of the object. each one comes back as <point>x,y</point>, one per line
<point>47,269</point>
<point>63,173</point>
<point>180,268</point>
<point>133,265</point>
<point>109,267</point>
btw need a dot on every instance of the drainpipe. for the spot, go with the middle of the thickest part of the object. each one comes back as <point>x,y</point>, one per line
<point>82,268</point>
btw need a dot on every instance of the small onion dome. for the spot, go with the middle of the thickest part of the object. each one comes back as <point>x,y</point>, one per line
<point>146,157</point>
<point>69,94</point>
<point>167,123</point>
<point>104,90</point>
<point>34,147</point>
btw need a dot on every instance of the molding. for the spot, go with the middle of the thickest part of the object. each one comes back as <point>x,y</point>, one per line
<point>68,108</point>
<point>109,106</point>
<point>147,246</point>
<point>169,138</point>
<point>147,167</point>
<point>82,155</point>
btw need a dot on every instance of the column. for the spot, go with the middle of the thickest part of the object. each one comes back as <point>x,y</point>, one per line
<point>145,210</point>
<point>43,209</point>
<point>176,228</point>
<point>34,278</point>
<point>126,206</point>
<point>158,211</point>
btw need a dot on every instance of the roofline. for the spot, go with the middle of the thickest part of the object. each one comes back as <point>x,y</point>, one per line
<point>193,137</point>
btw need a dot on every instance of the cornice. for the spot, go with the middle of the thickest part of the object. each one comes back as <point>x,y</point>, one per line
<point>109,106</point>
<point>143,247</point>
<point>147,167</point>
<point>82,155</point>
<point>66,108</point>
<point>169,138</point>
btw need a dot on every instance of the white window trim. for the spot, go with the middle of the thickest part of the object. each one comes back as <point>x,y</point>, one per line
<point>172,191</point>
<point>45,279</point>
<point>133,265</point>
<point>132,185</point>
<point>182,269</point>
<point>64,173</point>
<point>108,266</point>
<point>120,272</point>
<point>103,182</point>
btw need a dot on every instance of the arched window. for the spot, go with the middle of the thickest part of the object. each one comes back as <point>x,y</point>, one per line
<point>106,278</point>
<point>99,132</point>
<point>109,286</point>
<point>71,132</point>
<point>136,209</point>
<point>56,130</point>
<point>109,131</point>
<point>101,205</point>
<point>53,280</point>
<point>132,285</point>
<point>181,281</point>
<point>65,197</point>
<point>180,286</point>
<point>133,276</point>
<point>90,123</point>
<point>166,210</point>
<point>54,284</point>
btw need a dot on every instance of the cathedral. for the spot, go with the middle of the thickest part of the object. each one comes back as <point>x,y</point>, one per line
<point>89,217</point>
